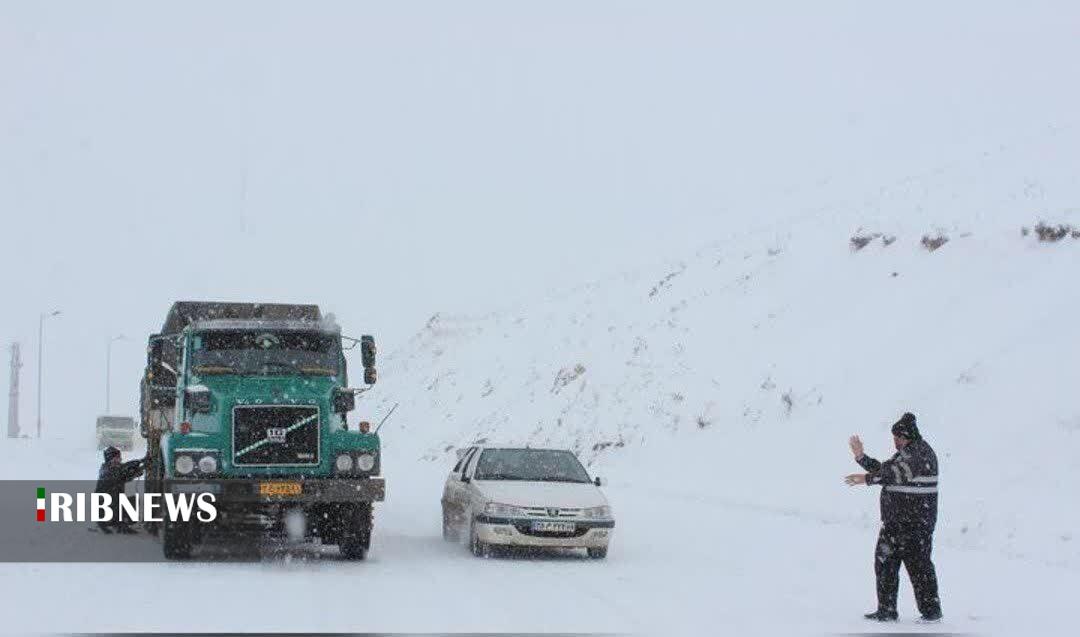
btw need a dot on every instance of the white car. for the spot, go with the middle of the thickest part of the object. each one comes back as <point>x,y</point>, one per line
<point>503,496</point>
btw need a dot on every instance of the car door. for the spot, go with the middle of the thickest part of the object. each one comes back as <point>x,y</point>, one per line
<point>454,491</point>
<point>469,494</point>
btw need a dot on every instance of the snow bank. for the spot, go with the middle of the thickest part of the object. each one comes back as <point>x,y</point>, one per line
<point>746,365</point>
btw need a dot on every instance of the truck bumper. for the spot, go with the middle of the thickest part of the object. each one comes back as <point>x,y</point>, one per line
<point>282,490</point>
<point>518,532</point>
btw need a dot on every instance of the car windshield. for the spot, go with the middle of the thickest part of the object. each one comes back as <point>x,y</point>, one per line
<point>533,465</point>
<point>270,352</point>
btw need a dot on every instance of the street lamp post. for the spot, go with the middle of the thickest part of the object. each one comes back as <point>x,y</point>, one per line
<point>40,348</point>
<point>108,371</point>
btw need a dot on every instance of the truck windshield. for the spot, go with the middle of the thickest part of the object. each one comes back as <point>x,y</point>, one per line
<point>271,352</point>
<point>531,465</point>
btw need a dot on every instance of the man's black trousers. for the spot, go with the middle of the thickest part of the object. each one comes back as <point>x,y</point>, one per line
<point>912,547</point>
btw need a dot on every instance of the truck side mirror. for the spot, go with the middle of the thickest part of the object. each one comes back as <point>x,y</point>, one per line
<point>367,350</point>
<point>367,357</point>
<point>161,377</point>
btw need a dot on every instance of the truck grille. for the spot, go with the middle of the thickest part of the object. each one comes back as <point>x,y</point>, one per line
<point>268,435</point>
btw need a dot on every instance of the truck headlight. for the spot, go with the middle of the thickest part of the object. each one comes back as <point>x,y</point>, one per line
<point>184,465</point>
<point>365,462</point>
<point>344,463</point>
<point>509,510</point>
<point>207,464</point>
<point>601,512</point>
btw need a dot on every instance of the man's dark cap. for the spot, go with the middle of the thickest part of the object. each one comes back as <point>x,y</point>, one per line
<point>906,427</point>
<point>110,453</point>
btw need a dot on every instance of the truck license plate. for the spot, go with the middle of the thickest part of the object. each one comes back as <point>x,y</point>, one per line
<point>280,488</point>
<point>552,527</point>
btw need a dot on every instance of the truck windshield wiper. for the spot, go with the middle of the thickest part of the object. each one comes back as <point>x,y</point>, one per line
<point>215,369</point>
<point>279,364</point>
<point>322,371</point>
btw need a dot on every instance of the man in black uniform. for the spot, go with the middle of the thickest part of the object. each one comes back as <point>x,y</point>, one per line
<point>909,499</point>
<point>112,477</point>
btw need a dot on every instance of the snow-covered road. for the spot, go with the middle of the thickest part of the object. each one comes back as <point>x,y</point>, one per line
<point>682,561</point>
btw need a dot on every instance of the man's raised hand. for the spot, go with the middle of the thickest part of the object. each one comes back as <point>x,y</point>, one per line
<point>856,447</point>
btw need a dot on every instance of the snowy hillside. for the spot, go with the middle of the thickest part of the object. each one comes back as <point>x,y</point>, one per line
<point>746,365</point>
<point>715,390</point>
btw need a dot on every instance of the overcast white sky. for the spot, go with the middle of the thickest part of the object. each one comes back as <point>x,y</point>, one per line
<point>391,160</point>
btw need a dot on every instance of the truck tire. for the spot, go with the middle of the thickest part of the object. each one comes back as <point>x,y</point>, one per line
<point>356,540</point>
<point>598,553</point>
<point>176,540</point>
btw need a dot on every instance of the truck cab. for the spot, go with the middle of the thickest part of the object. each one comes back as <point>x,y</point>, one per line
<point>249,401</point>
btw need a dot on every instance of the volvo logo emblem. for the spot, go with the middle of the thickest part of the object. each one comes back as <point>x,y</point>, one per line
<point>276,434</point>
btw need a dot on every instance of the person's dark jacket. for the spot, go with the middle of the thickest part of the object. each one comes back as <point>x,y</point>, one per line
<point>909,481</point>
<point>113,477</point>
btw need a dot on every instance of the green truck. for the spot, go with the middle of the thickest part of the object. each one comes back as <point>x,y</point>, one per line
<point>249,401</point>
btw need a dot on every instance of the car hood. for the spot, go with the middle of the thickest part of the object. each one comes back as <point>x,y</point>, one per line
<point>541,494</point>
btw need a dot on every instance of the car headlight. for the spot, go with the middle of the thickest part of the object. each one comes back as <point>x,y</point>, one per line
<point>184,465</point>
<point>207,464</point>
<point>344,463</point>
<point>365,462</point>
<point>601,512</point>
<point>495,508</point>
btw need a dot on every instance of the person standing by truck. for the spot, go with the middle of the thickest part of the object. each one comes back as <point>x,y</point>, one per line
<point>909,502</point>
<point>112,477</point>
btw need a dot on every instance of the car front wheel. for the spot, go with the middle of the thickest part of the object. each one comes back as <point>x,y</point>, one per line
<point>478,548</point>
<point>598,553</point>
<point>449,531</point>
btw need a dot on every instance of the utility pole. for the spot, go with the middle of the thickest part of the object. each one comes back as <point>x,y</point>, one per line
<point>108,370</point>
<point>13,392</point>
<point>40,348</point>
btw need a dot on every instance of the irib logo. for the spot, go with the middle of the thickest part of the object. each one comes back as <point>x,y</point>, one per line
<point>145,507</point>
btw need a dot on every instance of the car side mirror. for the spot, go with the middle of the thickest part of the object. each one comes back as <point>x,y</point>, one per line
<point>465,479</point>
<point>598,481</point>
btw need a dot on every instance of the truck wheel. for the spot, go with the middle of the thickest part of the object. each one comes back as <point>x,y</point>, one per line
<point>176,540</point>
<point>597,554</point>
<point>449,531</point>
<point>352,548</point>
<point>356,538</point>
<point>478,548</point>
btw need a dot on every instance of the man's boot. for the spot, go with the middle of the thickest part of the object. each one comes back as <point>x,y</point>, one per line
<point>882,615</point>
